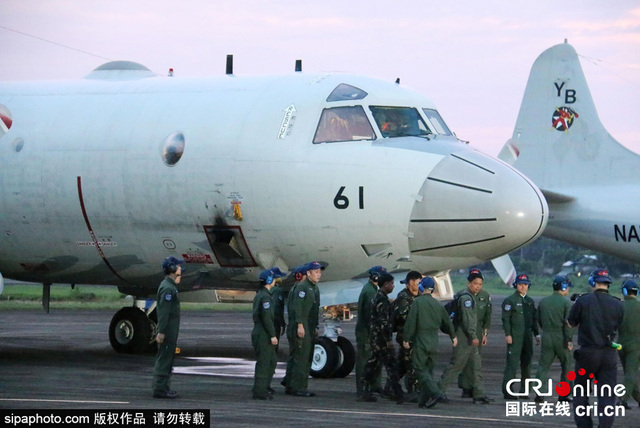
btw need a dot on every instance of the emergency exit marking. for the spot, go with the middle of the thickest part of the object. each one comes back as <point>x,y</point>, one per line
<point>341,201</point>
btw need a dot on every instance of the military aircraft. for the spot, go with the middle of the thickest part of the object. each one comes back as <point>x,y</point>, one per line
<point>590,181</point>
<point>105,176</point>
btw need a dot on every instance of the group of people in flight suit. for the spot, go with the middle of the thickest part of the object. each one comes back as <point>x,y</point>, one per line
<point>416,317</point>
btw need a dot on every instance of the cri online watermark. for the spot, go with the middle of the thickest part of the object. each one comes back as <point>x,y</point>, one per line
<point>564,390</point>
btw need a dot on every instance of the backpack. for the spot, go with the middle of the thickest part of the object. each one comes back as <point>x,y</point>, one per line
<point>452,307</point>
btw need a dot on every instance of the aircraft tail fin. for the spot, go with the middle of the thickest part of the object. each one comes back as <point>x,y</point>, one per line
<point>559,141</point>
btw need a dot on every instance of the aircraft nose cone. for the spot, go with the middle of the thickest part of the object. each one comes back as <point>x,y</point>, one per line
<point>475,207</point>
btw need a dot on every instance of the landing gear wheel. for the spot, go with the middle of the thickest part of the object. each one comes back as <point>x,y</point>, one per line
<point>325,358</point>
<point>346,357</point>
<point>130,331</point>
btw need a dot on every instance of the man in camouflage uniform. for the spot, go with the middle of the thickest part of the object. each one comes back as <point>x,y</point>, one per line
<point>557,338</point>
<point>382,349</point>
<point>401,307</point>
<point>263,337</point>
<point>363,329</point>
<point>425,318</point>
<point>469,338</point>
<point>519,321</point>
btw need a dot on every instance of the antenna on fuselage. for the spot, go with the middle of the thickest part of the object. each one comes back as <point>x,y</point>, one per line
<point>397,81</point>
<point>298,65</point>
<point>229,64</point>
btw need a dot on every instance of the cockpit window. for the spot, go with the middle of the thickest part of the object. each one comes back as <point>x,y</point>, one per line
<point>343,124</point>
<point>436,121</point>
<point>399,122</point>
<point>344,92</point>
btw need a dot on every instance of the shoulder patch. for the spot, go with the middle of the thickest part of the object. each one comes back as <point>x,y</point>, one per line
<point>468,303</point>
<point>266,305</point>
<point>301,294</point>
<point>168,297</point>
<point>507,307</point>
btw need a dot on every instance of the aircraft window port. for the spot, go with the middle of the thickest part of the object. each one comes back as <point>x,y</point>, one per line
<point>173,148</point>
<point>343,124</point>
<point>344,92</point>
<point>399,122</point>
<point>436,121</point>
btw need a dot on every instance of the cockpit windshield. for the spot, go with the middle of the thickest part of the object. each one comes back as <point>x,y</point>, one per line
<point>436,121</point>
<point>399,122</point>
<point>343,124</point>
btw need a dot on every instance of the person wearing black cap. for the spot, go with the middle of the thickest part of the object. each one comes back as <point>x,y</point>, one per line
<point>363,330</point>
<point>469,335</point>
<point>630,341</point>
<point>401,306</point>
<point>279,295</point>
<point>168,310</point>
<point>557,338</point>
<point>484,310</point>
<point>598,316</point>
<point>303,324</point>
<point>299,275</point>
<point>263,337</point>
<point>382,349</point>
<point>520,324</point>
<point>425,318</point>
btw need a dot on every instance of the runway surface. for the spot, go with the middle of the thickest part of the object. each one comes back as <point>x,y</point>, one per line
<point>63,360</point>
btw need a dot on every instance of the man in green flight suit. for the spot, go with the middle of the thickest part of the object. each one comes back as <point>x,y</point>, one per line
<point>363,330</point>
<point>484,312</point>
<point>299,274</point>
<point>469,336</point>
<point>279,296</point>
<point>302,330</point>
<point>629,337</point>
<point>168,310</point>
<point>401,307</point>
<point>519,321</point>
<point>426,316</point>
<point>263,337</point>
<point>557,338</point>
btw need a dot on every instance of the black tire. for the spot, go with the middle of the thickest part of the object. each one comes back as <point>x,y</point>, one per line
<point>346,357</point>
<point>325,358</point>
<point>130,331</point>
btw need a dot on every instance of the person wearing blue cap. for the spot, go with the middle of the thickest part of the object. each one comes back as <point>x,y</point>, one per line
<point>363,330</point>
<point>557,340</point>
<point>426,316</point>
<point>598,316</point>
<point>630,341</point>
<point>520,324</point>
<point>304,310</point>
<point>263,337</point>
<point>401,306</point>
<point>168,310</point>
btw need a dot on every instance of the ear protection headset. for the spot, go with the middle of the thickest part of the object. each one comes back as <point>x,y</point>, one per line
<point>561,282</point>
<point>171,268</point>
<point>269,279</point>
<point>629,285</point>
<point>375,276</point>
<point>597,272</point>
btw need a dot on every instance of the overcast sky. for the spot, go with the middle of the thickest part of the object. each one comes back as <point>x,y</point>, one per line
<point>471,58</point>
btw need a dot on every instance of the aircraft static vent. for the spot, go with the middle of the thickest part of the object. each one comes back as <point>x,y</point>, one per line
<point>120,70</point>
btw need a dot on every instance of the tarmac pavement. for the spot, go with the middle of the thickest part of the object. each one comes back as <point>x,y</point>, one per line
<point>63,360</point>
